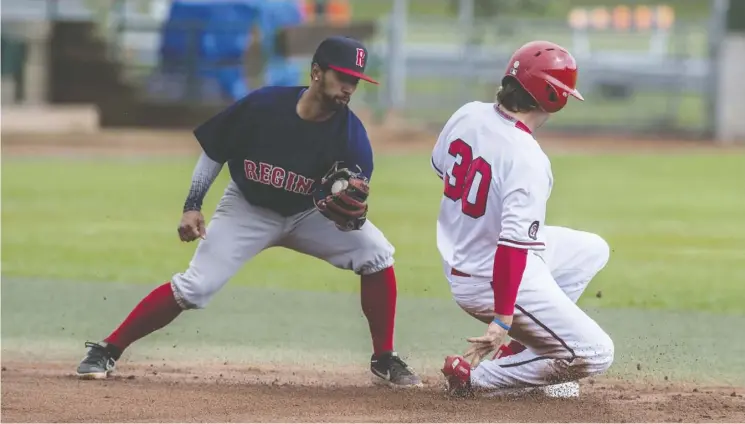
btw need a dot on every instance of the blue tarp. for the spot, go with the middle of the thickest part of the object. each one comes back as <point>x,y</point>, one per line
<point>204,42</point>
<point>275,15</point>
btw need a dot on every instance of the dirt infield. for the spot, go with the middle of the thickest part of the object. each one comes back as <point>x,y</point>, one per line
<point>48,392</point>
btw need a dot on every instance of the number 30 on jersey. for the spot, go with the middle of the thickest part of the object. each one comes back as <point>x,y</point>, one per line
<point>469,180</point>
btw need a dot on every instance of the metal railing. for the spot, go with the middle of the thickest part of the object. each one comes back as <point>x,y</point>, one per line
<point>647,82</point>
<point>633,81</point>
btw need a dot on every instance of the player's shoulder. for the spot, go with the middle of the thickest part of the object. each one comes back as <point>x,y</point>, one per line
<point>354,120</point>
<point>522,154</point>
<point>275,95</point>
<point>467,118</point>
<point>356,130</point>
<point>510,137</point>
<point>514,147</point>
<point>473,109</point>
<point>262,100</point>
<point>516,139</point>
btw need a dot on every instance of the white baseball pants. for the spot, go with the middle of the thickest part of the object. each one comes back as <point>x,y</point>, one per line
<point>563,343</point>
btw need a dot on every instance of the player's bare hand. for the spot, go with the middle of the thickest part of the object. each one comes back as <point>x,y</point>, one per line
<point>482,346</point>
<point>192,226</point>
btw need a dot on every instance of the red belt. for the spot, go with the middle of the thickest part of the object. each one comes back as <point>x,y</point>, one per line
<point>457,273</point>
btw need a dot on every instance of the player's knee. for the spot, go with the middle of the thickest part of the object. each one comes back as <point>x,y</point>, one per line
<point>601,251</point>
<point>596,357</point>
<point>375,260</point>
<point>194,291</point>
<point>375,254</point>
<point>604,354</point>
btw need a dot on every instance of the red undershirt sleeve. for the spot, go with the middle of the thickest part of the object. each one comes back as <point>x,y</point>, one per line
<point>509,266</point>
<point>525,187</point>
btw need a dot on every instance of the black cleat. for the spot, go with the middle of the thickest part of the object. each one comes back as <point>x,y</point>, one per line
<point>393,371</point>
<point>99,362</point>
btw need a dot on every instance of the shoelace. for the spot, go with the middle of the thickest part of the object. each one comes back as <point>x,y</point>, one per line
<point>92,345</point>
<point>98,355</point>
<point>398,365</point>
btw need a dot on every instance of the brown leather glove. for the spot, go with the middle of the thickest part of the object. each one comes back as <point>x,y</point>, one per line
<point>342,198</point>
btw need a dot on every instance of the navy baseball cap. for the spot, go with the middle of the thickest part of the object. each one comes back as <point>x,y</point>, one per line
<point>345,55</point>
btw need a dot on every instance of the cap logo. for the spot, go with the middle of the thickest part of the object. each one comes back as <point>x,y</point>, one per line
<point>360,58</point>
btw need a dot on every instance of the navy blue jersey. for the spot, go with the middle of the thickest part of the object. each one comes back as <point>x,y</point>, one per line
<point>275,157</point>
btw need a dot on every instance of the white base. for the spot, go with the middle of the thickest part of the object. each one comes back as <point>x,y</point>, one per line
<point>558,391</point>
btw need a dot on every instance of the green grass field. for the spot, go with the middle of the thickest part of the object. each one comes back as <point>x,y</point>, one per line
<point>86,239</point>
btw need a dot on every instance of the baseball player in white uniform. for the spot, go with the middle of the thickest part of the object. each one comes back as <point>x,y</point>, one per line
<point>505,266</point>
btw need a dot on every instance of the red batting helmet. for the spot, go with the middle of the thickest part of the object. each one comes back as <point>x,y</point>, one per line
<point>547,71</point>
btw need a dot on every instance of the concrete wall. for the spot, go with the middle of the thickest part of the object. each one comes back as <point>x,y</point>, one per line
<point>731,91</point>
<point>39,119</point>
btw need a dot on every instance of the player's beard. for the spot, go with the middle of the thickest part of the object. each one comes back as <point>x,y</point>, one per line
<point>330,102</point>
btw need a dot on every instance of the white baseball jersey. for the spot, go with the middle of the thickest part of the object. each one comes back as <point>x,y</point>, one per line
<point>497,181</point>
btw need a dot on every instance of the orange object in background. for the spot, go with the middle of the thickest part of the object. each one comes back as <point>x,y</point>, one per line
<point>665,17</point>
<point>600,18</point>
<point>332,11</point>
<point>578,18</point>
<point>622,18</point>
<point>643,17</point>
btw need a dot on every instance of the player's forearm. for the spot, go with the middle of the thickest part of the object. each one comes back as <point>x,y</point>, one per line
<point>509,266</point>
<point>205,173</point>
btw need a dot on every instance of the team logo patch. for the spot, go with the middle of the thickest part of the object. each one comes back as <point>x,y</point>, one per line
<point>360,58</point>
<point>533,230</point>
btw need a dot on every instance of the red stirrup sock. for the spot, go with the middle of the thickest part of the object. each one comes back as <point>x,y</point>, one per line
<point>153,312</point>
<point>378,295</point>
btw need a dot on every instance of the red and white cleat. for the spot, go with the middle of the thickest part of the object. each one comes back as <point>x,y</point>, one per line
<point>458,374</point>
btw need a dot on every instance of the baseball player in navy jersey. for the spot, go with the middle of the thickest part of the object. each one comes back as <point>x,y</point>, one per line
<point>300,162</point>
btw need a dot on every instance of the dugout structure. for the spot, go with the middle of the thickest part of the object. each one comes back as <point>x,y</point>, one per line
<point>204,61</point>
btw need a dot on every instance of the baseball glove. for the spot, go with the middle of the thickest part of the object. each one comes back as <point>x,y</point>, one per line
<point>342,197</point>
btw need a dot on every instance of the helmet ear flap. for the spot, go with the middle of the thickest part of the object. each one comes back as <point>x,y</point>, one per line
<point>554,101</point>
<point>551,94</point>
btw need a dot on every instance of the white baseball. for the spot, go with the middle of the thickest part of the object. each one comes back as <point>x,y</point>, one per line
<point>338,186</point>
